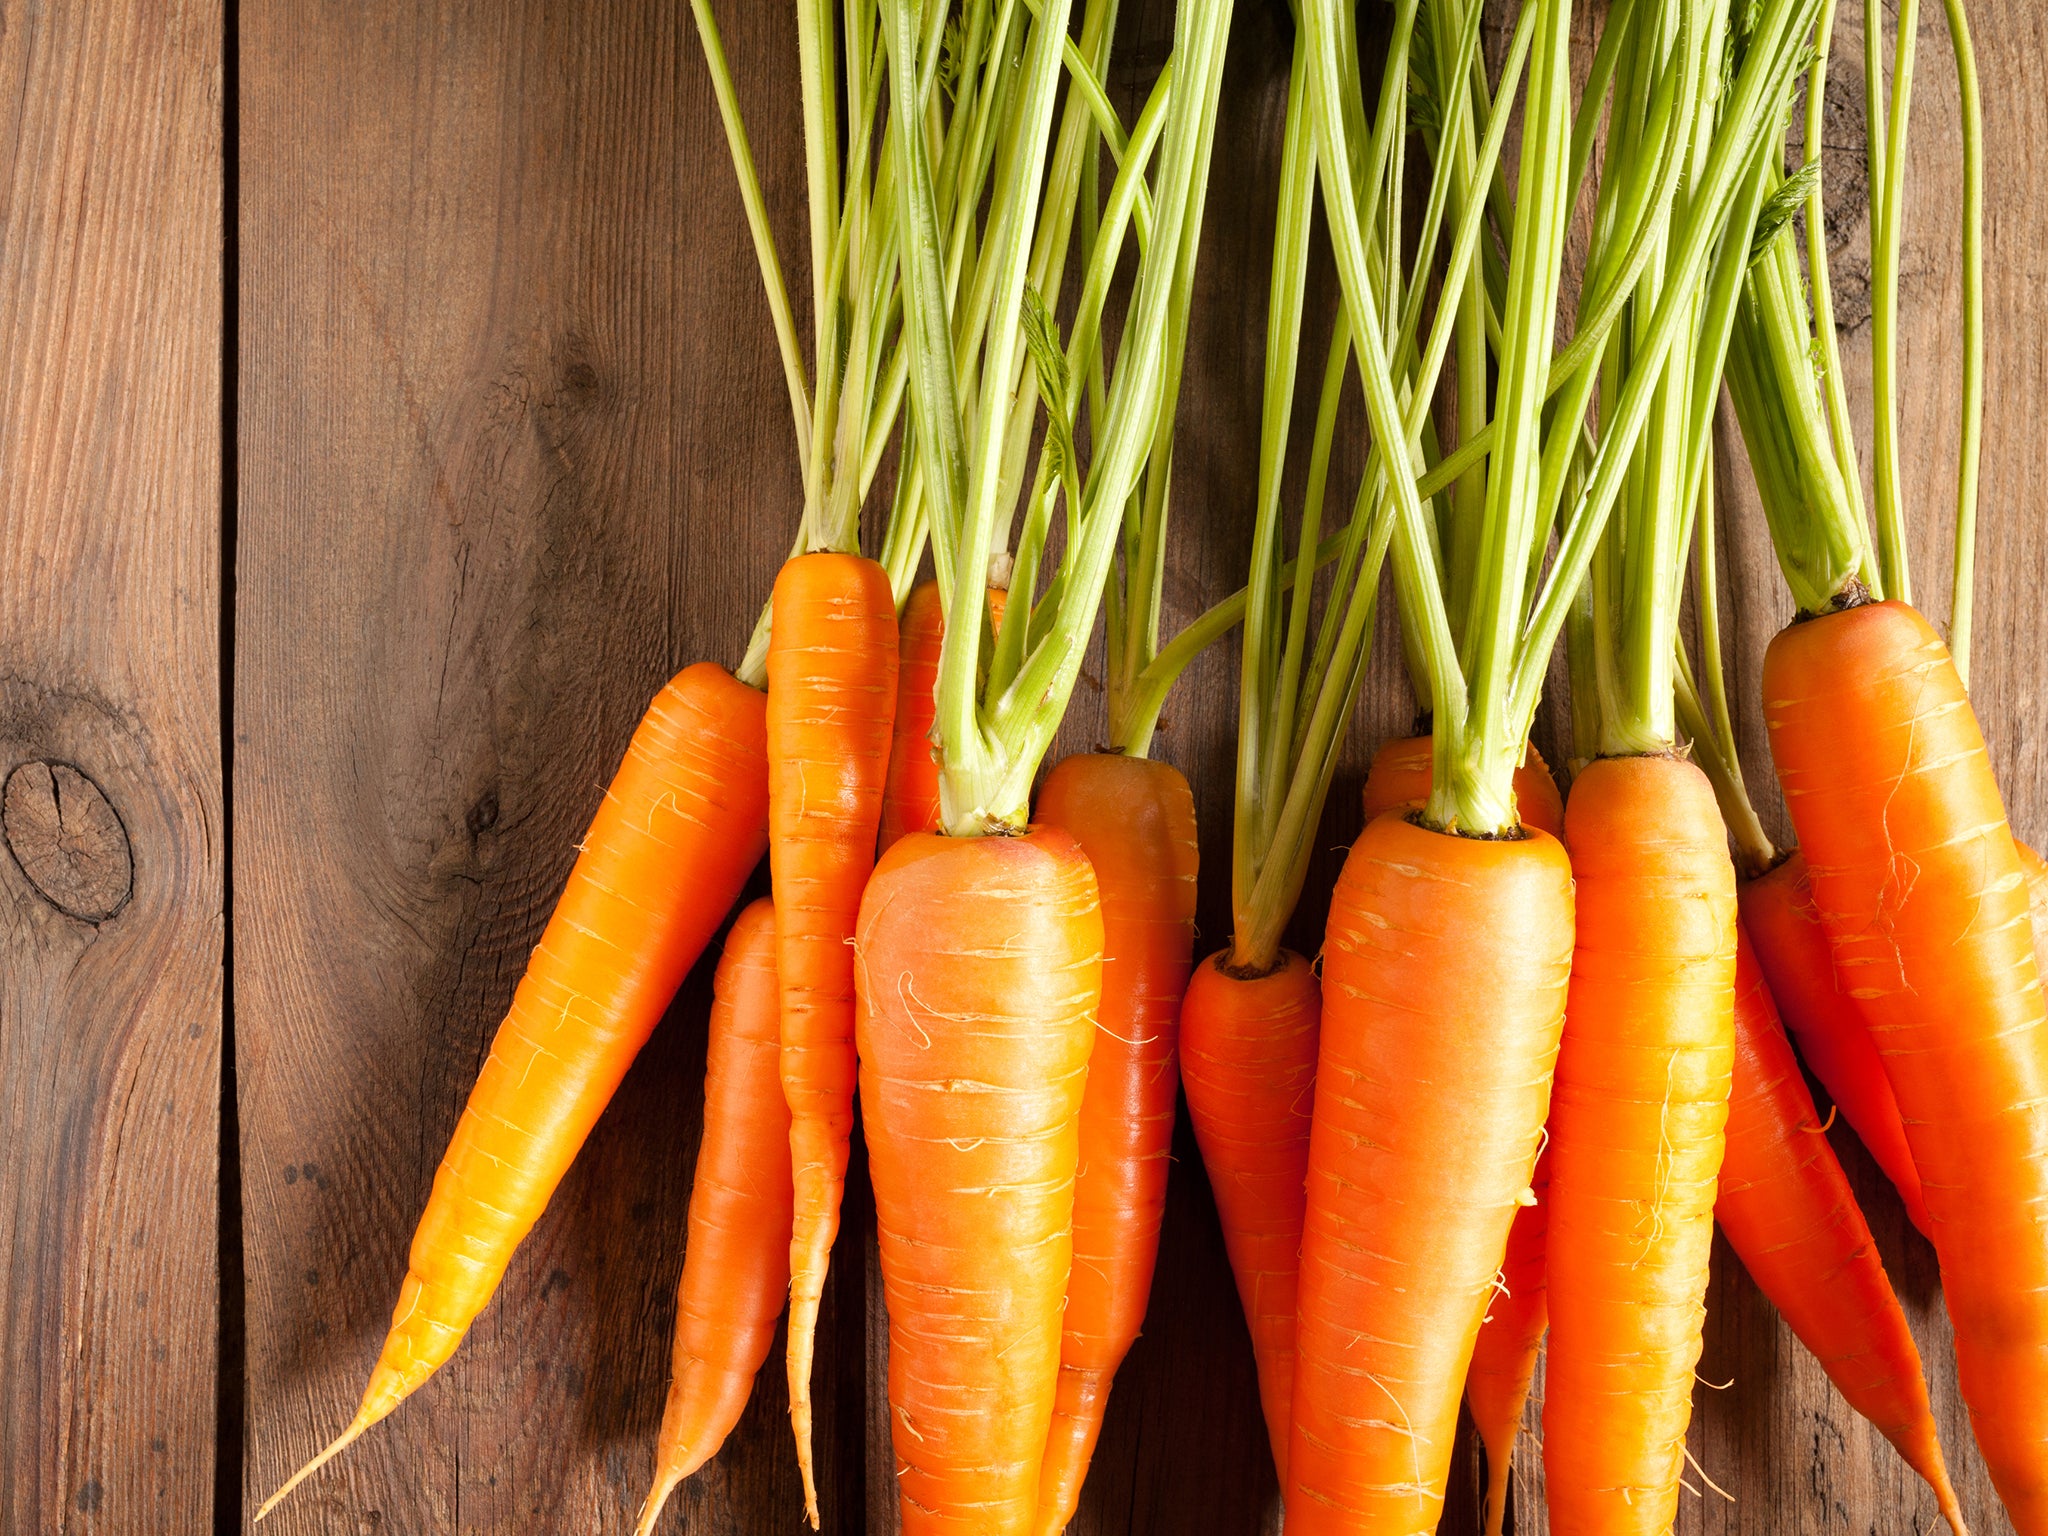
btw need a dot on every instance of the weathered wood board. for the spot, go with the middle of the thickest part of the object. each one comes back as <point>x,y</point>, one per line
<point>111,885</point>
<point>509,445</point>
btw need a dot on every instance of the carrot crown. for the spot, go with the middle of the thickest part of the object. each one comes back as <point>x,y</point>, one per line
<point>1481,613</point>
<point>1001,695</point>
<point>846,416</point>
<point>1301,672</point>
<point>1785,371</point>
<point>1623,634</point>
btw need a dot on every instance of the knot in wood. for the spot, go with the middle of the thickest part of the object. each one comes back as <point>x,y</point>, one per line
<point>67,839</point>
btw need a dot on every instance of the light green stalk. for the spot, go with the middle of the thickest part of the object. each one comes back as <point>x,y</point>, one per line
<point>1962,604</point>
<point>991,741</point>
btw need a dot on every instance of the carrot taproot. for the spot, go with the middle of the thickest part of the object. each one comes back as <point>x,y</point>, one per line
<point>1432,1085</point>
<point>1399,778</point>
<point>1924,900</point>
<point>736,1261</point>
<point>831,706</point>
<point>980,971</point>
<point>681,827</point>
<point>1792,950</point>
<point>1789,1213</point>
<point>1248,1063</point>
<point>1134,818</point>
<point>1510,1335</point>
<point>1504,1355</point>
<point>1637,1127</point>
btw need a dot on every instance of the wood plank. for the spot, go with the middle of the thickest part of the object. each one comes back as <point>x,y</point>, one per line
<point>471,302</point>
<point>110,903</point>
<point>514,448</point>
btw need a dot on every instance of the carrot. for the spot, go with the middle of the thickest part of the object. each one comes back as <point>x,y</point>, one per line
<point>1792,951</point>
<point>1790,1215</point>
<point>1431,1090</point>
<point>979,952</point>
<point>1637,1126</point>
<point>831,704</point>
<point>910,798</point>
<point>736,1264</point>
<point>1248,1061</point>
<point>682,825</point>
<point>980,963</point>
<point>1924,900</point>
<point>2036,869</point>
<point>1135,820</point>
<point>1504,1354</point>
<point>1399,779</point>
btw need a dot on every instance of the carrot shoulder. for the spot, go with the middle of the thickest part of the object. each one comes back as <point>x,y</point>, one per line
<point>1789,1213</point>
<point>1135,820</point>
<point>831,701</point>
<point>980,969</point>
<point>681,827</point>
<point>736,1264</point>
<point>1791,948</point>
<point>1924,900</point>
<point>1637,1126</point>
<point>1248,1062</point>
<point>1446,962</point>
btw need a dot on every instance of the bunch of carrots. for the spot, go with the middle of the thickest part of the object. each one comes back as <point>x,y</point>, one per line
<point>1549,1040</point>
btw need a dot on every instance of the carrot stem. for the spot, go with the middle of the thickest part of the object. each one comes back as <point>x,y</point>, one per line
<point>1887,229</point>
<point>757,226</point>
<point>1962,604</point>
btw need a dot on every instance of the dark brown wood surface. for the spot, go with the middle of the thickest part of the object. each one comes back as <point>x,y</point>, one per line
<point>111,886</point>
<point>509,446</point>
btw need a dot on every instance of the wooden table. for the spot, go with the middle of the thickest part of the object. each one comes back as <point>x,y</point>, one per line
<point>390,408</point>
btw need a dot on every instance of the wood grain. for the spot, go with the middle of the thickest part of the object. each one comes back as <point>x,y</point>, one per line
<point>510,456</point>
<point>513,448</point>
<point>111,890</point>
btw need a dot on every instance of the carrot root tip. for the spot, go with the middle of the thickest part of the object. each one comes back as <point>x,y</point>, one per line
<point>657,1499</point>
<point>335,1447</point>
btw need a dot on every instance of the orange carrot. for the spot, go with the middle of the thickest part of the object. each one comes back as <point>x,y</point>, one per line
<point>1637,1128</point>
<point>736,1264</point>
<point>681,827</point>
<point>2036,869</point>
<point>1504,1356</point>
<point>1399,779</point>
<point>831,703</point>
<point>910,799</point>
<point>980,969</point>
<point>1924,900</point>
<point>1828,1025</point>
<point>1248,1062</point>
<point>1135,820</point>
<point>1792,950</point>
<point>1791,1217</point>
<point>1445,970</point>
